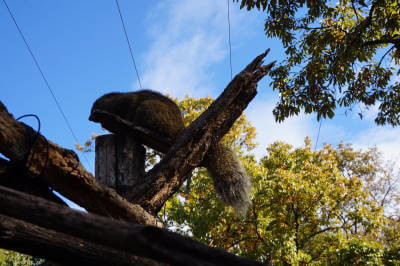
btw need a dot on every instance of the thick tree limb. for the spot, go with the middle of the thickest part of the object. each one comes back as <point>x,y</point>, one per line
<point>15,178</point>
<point>189,149</point>
<point>60,168</point>
<point>37,241</point>
<point>140,240</point>
<point>383,41</point>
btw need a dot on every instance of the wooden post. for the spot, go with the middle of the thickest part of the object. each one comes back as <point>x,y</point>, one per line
<point>119,161</point>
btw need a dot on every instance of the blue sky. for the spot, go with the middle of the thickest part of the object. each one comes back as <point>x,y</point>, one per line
<point>181,48</point>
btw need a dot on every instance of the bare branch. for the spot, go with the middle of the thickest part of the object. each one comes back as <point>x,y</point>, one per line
<point>355,10</point>
<point>382,41</point>
<point>387,52</point>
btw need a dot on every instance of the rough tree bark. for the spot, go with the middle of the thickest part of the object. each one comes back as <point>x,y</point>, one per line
<point>32,239</point>
<point>120,161</point>
<point>140,240</point>
<point>24,183</point>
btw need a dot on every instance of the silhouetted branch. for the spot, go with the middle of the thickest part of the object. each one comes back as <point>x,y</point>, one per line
<point>140,240</point>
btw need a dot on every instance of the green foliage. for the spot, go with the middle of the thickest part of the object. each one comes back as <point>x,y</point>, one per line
<point>304,211</point>
<point>335,55</point>
<point>88,146</point>
<point>242,134</point>
<point>392,257</point>
<point>357,252</point>
<point>11,258</point>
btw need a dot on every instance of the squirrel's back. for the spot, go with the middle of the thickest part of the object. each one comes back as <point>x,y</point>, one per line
<point>145,108</point>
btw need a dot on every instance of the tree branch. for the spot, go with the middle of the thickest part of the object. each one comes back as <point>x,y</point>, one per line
<point>387,52</point>
<point>355,10</point>
<point>37,241</point>
<point>317,233</point>
<point>383,41</point>
<point>371,13</point>
<point>191,146</point>
<point>60,169</point>
<point>140,240</point>
<point>13,177</point>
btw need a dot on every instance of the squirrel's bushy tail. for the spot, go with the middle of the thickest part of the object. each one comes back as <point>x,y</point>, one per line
<point>230,179</point>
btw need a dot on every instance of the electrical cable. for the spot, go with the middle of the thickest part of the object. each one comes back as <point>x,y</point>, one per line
<point>44,77</point>
<point>32,145</point>
<point>319,130</point>
<point>230,45</point>
<point>129,44</point>
<point>26,156</point>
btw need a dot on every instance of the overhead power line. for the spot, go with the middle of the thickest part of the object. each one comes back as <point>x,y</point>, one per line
<point>230,45</point>
<point>129,44</point>
<point>319,130</point>
<point>43,76</point>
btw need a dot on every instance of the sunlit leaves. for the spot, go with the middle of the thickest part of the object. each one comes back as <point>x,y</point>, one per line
<point>308,207</point>
<point>329,46</point>
<point>240,137</point>
<point>8,258</point>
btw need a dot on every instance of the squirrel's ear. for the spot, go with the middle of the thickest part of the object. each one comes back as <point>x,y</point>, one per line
<point>92,116</point>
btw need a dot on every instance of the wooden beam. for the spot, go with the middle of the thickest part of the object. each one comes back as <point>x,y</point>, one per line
<point>65,249</point>
<point>140,240</point>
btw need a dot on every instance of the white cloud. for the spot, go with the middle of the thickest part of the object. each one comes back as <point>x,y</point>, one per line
<point>187,38</point>
<point>293,130</point>
<point>386,139</point>
<point>368,112</point>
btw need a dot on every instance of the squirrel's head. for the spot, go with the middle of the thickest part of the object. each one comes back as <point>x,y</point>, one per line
<point>101,104</point>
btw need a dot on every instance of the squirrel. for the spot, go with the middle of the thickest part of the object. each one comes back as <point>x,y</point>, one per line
<point>154,111</point>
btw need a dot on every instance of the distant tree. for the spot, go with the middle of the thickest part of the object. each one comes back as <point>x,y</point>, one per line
<point>338,53</point>
<point>11,258</point>
<point>381,178</point>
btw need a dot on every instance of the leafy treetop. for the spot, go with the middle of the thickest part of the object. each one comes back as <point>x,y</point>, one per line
<point>339,53</point>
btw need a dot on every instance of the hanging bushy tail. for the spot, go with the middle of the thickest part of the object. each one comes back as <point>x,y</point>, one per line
<point>230,179</point>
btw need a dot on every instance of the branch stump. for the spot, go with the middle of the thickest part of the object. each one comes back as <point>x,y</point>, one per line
<point>119,161</point>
